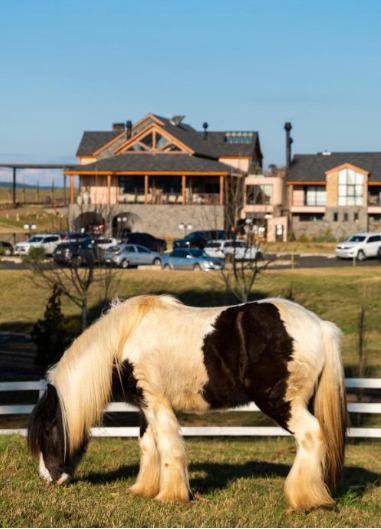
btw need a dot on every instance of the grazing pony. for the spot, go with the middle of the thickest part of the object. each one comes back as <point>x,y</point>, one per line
<point>169,356</point>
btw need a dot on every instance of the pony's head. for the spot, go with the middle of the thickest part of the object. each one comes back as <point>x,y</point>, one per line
<point>48,440</point>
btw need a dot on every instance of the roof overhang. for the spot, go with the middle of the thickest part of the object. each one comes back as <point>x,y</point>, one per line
<point>347,166</point>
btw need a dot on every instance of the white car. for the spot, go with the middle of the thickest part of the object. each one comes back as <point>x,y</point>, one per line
<point>46,241</point>
<point>232,248</point>
<point>360,246</point>
<point>106,242</point>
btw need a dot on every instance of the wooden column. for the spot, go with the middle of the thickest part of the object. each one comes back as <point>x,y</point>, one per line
<point>183,187</point>
<point>109,189</point>
<point>146,189</point>
<point>71,189</point>
<point>221,202</point>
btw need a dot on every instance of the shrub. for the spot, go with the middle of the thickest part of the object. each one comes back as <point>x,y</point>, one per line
<point>49,334</point>
<point>35,255</point>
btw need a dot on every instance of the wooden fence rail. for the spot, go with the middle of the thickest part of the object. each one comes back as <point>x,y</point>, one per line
<point>202,431</point>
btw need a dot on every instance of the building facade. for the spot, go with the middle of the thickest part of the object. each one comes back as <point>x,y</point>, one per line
<point>158,174</point>
<point>334,194</point>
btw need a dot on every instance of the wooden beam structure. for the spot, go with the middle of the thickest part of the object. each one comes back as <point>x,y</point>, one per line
<point>183,187</point>
<point>221,201</point>
<point>71,189</point>
<point>146,189</point>
<point>109,189</point>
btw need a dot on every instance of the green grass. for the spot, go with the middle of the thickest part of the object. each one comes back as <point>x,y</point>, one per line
<point>238,483</point>
<point>334,294</point>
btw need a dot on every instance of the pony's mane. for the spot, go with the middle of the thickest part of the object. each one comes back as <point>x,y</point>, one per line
<point>83,376</point>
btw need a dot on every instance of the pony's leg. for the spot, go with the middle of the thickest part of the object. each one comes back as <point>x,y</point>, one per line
<point>148,480</point>
<point>305,487</point>
<point>174,481</point>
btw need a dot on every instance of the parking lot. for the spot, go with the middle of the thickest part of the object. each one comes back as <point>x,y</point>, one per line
<point>280,261</point>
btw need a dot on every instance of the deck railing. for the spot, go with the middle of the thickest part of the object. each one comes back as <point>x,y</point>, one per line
<point>233,431</point>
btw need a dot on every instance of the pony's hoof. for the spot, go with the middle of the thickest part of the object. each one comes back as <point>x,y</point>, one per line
<point>144,492</point>
<point>165,497</point>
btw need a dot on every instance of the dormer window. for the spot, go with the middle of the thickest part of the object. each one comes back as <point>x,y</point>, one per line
<point>351,188</point>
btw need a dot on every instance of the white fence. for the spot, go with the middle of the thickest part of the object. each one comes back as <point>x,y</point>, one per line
<point>233,431</point>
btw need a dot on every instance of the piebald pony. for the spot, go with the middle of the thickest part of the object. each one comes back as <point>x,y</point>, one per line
<point>173,357</point>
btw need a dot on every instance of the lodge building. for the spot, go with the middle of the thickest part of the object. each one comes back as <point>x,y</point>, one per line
<point>157,174</point>
<point>334,194</point>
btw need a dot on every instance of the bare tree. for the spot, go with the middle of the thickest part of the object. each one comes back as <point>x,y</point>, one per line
<point>75,282</point>
<point>243,265</point>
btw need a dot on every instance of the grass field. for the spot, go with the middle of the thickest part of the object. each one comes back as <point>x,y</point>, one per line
<point>236,484</point>
<point>334,294</point>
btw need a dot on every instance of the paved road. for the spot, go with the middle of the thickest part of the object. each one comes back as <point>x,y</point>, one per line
<point>321,261</point>
<point>281,261</point>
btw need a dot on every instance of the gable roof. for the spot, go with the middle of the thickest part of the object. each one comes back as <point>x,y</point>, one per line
<point>155,163</point>
<point>313,167</point>
<point>92,141</point>
<point>214,146</point>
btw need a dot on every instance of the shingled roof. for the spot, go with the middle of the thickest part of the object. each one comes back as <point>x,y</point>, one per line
<point>214,146</point>
<point>91,141</point>
<point>151,163</point>
<point>312,167</point>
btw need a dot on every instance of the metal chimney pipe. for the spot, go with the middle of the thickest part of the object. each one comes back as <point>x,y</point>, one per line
<point>128,129</point>
<point>205,127</point>
<point>287,128</point>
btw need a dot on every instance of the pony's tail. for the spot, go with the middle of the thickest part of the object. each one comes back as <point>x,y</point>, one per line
<point>330,405</point>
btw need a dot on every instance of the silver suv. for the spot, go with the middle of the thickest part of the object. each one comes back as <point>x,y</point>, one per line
<point>360,246</point>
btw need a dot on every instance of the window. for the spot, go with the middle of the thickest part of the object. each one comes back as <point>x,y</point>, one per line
<point>310,217</point>
<point>374,238</point>
<point>355,217</point>
<point>131,184</point>
<point>335,217</point>
<point>315,195</point>
<point>141,249</point>
<point>259,194</point>
<point>239,137</point>
<point>351,188</point>
<point>345,219</point>
<point>168,184</point>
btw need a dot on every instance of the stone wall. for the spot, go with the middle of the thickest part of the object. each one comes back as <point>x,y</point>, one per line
<point>159,220</point>
<point>328,227</point>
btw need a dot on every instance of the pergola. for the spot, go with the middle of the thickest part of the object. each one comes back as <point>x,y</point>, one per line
<point>15,166</point>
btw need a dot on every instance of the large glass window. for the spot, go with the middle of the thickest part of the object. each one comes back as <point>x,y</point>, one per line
<point>168,184</point>
<point>351,188</point>
<point>131,184</point>
<point>315,195</point>
<point>260,194</point>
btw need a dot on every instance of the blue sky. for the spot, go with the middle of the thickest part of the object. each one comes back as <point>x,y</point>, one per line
<point>74,65</point>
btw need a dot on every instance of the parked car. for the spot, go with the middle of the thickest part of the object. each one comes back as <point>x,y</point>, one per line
<point>77,253</point>
<point>198,239</point>
<point>72,235</point>
<point>190,259</point>
<point>129,255</point>
<point>233,249</point>
<point>360,246</point>
<point>6,248</point>
<point>46,241</point>
<point>106,242</point>
<point>147,240</point>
